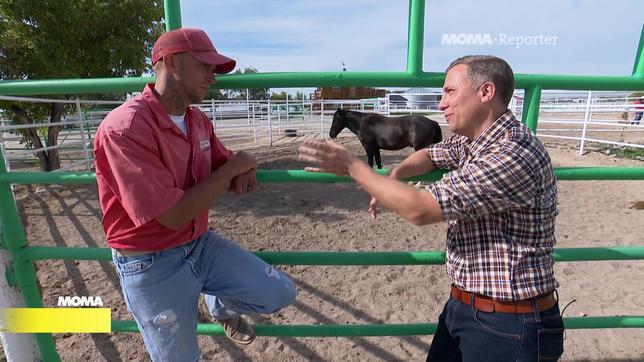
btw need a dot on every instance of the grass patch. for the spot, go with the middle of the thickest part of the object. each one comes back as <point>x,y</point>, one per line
<point>628,152</point>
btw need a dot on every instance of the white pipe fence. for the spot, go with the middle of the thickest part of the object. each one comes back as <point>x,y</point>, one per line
<point>248,120</point>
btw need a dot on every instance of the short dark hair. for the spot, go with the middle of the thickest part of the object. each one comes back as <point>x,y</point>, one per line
<point>488,68</point>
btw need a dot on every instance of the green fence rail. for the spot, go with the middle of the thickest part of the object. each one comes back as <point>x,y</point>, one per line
<point>562,173</point>
<point>32,253</point>
<point>318,79</point>
<point>375,330</point>
<point>22,273</point>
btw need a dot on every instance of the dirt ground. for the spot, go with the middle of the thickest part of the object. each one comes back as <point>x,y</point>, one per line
<point>333,217</point>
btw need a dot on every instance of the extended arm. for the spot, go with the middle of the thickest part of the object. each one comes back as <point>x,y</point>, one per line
<point>413,205</point>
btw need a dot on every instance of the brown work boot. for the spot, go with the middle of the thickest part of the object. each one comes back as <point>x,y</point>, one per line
<point>238,330</point>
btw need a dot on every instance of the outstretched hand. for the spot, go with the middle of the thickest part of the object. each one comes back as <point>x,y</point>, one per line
<point>328,155</point>
<point>373,204</point>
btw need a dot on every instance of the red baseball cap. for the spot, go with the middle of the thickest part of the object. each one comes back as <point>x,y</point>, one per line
<point>194,41</point>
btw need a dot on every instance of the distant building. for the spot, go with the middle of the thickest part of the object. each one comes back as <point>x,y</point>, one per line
<point>347,93</point>
<point>422,98</point>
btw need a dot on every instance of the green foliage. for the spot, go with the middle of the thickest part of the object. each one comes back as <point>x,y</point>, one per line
<point>254,93</point>
<point>215,94</point>
<point>300,95</point>
<point>629,152</point>
<point>77,39</point>
<point>281,96</point>
<point>61,39</point>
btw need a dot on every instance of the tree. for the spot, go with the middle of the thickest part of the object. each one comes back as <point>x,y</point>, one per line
<point>59,39</point>
<point>216,94</point>
<point>300,95</point>
<point>255,93</point>
<point>281,96</point>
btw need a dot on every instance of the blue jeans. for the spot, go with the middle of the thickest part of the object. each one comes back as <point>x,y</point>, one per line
<point>467,334</point>
<point>161,290</point>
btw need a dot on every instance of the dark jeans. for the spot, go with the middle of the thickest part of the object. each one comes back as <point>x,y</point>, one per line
<point>467,334</point>
<point>638,118</point>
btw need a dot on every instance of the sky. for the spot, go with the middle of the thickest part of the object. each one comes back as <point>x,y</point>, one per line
<point>578,37</point>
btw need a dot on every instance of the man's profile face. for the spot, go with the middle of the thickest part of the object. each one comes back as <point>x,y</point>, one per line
<point>193,76</point>
<point>460,102</point>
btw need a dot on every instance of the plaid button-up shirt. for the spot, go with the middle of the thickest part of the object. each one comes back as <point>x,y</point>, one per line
<point>499,200</point>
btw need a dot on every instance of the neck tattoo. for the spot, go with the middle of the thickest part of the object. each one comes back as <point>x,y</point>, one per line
<point>173,101</point>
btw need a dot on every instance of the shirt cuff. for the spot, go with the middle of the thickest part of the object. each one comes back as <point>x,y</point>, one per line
<point>154,212</point>
<point>441,195</point>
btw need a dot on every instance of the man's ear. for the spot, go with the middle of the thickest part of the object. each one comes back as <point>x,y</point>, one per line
<point>487,92</point>
<point>170,62</point>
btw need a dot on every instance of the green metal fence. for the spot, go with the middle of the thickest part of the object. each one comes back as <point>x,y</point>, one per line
<point>22,272</point>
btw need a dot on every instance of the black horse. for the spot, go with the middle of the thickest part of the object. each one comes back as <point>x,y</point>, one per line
<point>377,132</point>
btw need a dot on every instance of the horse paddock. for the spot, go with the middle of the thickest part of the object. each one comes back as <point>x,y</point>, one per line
<point>333,217</point>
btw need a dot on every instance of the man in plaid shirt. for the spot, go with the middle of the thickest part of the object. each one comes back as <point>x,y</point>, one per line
<point>499,200</point>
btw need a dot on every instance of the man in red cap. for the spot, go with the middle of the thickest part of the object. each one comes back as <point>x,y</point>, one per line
<point>159,166</point>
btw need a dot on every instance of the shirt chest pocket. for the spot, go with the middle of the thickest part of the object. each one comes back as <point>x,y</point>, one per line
<point>202,163</point>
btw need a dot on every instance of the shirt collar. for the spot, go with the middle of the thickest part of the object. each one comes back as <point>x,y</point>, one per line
<point>497,129</point>
<point>158,109</point>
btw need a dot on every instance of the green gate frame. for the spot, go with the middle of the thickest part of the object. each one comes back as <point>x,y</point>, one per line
<point>22,273</point>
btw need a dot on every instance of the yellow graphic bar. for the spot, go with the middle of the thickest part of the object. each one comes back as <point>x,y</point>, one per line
<point>55,320</point>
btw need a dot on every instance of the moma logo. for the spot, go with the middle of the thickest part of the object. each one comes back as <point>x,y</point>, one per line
<point>80,301</point>
<point>502,39</point>
<point>467,39</point>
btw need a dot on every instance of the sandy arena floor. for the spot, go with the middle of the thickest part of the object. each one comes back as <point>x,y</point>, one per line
<point>333,217</point>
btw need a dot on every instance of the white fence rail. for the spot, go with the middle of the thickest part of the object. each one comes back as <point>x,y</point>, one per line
<point>581,119</point>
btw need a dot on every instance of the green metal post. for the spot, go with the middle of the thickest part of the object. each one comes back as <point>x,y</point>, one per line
<point>638,67</point>
<point>415,36</point>
<point>14,239</point>
<point>172,9</point>
<point>531,102</point>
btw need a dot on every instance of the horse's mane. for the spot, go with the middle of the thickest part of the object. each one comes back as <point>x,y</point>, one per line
<point>366,114</point>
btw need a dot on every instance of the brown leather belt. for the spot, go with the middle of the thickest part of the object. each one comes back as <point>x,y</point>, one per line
<point>489,305</point>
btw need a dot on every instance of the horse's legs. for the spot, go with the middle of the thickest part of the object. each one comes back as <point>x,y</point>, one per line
<point>369,156</point>
<point>378,162</point>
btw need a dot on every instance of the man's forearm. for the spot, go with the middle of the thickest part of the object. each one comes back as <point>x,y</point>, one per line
<point>197,199</point>
<point>416,164</point>
<point>415,206</point>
